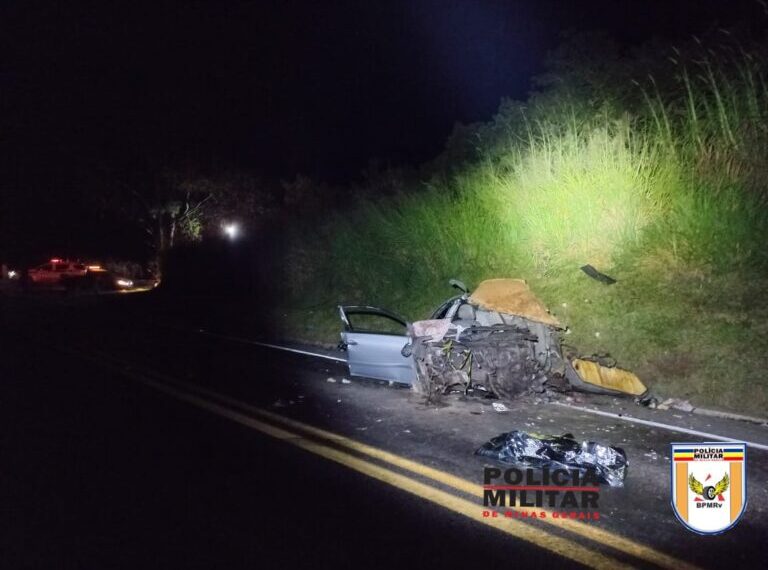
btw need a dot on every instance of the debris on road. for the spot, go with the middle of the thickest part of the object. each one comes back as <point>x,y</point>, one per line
<point>346,381</point>
<point>332,380</point>
<point>676,404</point>
<point>499,407</point>
<point>647,400</point>
<point>521,448</point>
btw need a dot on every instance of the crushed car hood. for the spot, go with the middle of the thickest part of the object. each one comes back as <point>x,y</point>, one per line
<point>513,297</point>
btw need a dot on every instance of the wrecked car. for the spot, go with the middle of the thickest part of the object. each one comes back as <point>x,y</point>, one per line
<point>500,340</point>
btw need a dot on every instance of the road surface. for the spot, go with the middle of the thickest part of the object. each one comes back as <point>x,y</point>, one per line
<point>130,440</point>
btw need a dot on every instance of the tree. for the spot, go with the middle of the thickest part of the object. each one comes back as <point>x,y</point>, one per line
<point>183,206</point>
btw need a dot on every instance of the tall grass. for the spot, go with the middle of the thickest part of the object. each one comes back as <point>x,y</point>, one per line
<point>716,132</point>
<point>683,178</point>
<point>670,193</point>
<point>580,194</point>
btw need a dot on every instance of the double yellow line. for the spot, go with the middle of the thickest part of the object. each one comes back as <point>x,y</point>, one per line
<point>356,456</point>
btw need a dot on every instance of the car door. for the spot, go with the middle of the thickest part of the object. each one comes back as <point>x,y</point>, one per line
<point>374,339</point>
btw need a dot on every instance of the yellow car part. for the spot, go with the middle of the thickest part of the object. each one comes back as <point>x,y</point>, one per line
<point>611,378</point>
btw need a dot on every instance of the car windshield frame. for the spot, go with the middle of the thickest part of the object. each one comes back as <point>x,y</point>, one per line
<point>347,310</point>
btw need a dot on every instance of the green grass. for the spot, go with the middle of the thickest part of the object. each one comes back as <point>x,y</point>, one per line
<point>669,197</point>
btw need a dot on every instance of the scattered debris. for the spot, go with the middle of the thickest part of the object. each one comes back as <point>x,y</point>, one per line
<point>648,400</point>
<point>499,407</point>
<point>333,380</point>
<point>676,404</point>
<point>346,381</point>
<point>520,448</point>
<point>595,274</point>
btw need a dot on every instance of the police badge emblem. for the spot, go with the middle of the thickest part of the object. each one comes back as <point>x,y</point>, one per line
<point>709,485</point>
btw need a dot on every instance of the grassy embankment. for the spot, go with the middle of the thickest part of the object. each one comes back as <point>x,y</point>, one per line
<point>668,196</point>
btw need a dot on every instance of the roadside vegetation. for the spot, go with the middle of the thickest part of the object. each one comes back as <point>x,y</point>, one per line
<point>650,166</point>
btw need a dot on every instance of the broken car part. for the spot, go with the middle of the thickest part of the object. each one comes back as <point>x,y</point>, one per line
<point>500,340</point>
<point>589,375</point>
<point>595,274</point>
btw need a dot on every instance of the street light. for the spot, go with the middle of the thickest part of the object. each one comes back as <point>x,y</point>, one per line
<point>232,231</point>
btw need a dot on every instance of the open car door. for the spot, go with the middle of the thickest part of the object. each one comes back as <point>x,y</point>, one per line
<point>374,340</point>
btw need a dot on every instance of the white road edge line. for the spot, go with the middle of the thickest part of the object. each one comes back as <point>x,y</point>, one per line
<point>669,427</point>
<point>275,346</point>
<point>660,425</point>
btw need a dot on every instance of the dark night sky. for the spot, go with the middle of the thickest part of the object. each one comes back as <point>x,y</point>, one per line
<point>278,87</point>
<point>99,93</point>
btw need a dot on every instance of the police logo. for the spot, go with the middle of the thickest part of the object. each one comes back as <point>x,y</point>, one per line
<point>709,485</point>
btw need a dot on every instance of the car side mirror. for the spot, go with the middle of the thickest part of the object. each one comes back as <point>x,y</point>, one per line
<point>407,350</point>
<point>458,285</point>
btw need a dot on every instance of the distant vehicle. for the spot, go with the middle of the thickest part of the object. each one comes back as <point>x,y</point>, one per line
<point>56,270</point>
<point>77,275</point>
<point>99,279</point>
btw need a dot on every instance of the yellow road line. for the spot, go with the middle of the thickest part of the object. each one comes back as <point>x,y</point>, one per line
<point>616,541</point>
<point>515,528</point>
<point>604,537</point>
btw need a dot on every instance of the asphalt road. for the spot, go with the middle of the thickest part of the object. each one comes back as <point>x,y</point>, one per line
<point>129,443</point>
<point>103,473</point>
